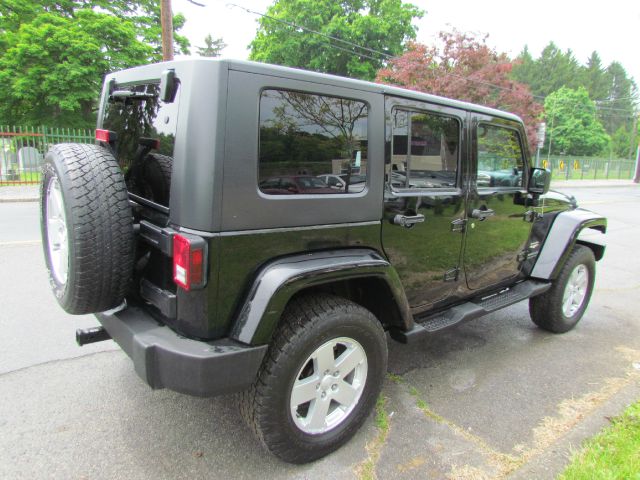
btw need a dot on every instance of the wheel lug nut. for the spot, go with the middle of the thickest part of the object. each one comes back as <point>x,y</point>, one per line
<point>336,373</point>
<point>334,387</point>
<point>324,394</point>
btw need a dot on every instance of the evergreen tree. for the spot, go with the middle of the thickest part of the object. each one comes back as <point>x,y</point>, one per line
<point>595,78</point>
<point>212,47</point>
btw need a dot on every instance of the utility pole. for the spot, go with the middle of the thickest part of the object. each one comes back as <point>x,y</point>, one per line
<point>166,20</point>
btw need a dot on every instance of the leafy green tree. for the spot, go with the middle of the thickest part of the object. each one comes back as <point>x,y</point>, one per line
<point>143,15</point>
<point>212,47</point>
<point>621,143</point>
<point>54,55</point>
<point>53,68</point>
<point>378,25</point>
<point>574,128</point>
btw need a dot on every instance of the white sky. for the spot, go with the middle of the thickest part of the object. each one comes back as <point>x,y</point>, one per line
<point>582,26</point>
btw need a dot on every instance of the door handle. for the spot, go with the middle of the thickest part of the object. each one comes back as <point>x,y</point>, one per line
<point>407,221</point>
<point>482,214</point>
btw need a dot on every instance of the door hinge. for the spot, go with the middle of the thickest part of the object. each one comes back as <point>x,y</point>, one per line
<point>451,275</point>
<point>526,255</point>
<point>531,216</point>
<point>459,225</point>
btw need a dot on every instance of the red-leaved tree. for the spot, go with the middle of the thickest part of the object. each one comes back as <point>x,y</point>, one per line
<point>464,68</point>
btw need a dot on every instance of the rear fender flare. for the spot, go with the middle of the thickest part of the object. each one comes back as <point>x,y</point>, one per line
<point>276,283</point>
<point>562,237</point>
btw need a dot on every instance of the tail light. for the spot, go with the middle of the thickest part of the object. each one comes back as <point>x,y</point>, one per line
<point>189,261</point>
<point>103,135</point>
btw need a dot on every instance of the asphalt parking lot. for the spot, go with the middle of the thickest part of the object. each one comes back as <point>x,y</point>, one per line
<point>494,398</point>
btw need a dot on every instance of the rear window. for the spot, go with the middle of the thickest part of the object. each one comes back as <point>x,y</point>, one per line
<point>143,125</point>
<point>306,138</point>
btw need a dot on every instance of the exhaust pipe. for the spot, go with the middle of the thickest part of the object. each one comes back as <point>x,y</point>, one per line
<point>84,336</point>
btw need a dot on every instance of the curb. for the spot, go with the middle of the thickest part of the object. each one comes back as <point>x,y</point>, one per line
<point>592,185</point>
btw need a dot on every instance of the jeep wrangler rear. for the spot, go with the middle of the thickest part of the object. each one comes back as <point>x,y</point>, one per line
<point>241,227</point>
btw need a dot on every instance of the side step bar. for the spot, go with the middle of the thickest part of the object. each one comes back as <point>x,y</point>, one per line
<point>470,310</point>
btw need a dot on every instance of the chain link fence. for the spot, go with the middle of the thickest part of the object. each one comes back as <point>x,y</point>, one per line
<point>22,150</point>
<point>588,168</point>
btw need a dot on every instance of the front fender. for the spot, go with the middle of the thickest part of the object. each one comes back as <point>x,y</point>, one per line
<point>561,238</point>
<point>279,280</point>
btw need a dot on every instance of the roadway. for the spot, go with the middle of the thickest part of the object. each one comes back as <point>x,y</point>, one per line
<point>494,398</point>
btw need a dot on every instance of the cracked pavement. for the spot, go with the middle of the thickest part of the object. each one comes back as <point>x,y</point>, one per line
<point>491,399</point>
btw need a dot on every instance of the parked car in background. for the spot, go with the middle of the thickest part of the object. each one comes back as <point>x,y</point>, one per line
<point>339,182</point>
<point>295,184</point>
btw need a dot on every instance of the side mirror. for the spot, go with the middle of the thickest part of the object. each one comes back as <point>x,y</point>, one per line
<point>539,181</point>
<point>168,86</point>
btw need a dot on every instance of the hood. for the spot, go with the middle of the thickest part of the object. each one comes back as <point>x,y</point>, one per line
<point>557,199</point>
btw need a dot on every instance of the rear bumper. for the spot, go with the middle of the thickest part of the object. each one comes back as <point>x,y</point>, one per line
<point>163,359</point>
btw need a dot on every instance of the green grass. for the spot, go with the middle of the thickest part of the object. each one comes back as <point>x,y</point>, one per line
<point>612,454</point>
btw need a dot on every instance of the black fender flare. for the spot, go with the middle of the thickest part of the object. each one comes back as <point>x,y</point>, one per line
<point>277,281</point>
<point>562,236</point>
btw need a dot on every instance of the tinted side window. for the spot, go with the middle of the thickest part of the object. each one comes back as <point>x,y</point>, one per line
<point>425,150</point>
<point>500,159</point>
<point>305,137</point>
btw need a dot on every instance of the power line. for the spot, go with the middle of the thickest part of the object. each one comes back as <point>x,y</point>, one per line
<point>298,28</point>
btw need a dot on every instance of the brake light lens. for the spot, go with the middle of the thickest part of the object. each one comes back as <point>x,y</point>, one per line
<point>102,135</point>
<point>188,261</point>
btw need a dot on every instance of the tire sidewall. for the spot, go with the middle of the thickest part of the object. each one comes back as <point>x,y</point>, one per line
<point>353,325</point>
<point>582,257</point>
<point>54,168</point>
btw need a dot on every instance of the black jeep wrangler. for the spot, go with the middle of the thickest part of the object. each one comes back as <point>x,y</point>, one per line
<point>206,231</point>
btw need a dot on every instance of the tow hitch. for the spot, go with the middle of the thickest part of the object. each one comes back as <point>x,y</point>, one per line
<point>84,336</point>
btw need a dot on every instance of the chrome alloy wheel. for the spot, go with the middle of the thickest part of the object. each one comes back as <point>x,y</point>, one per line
<point>575,291</point>
<point>57,238</point>
<point>329,385</point>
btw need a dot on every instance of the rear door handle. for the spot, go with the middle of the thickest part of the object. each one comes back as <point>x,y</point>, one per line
<point>408,221</point>
<point>482,214</point>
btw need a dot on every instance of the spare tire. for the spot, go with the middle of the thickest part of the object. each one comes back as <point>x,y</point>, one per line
<point>87,228</point>
<point>153,179</point>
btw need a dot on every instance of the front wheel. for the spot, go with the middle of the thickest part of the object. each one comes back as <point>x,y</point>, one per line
<point>561,307</point>
<point>319,380</point>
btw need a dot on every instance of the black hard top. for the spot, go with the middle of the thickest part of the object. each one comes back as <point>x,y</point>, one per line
<point>344,82</point>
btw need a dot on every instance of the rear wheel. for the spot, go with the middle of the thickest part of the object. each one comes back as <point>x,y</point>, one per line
<point>319,380</point>
<point>561,307</point>
<point>87,228</point>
